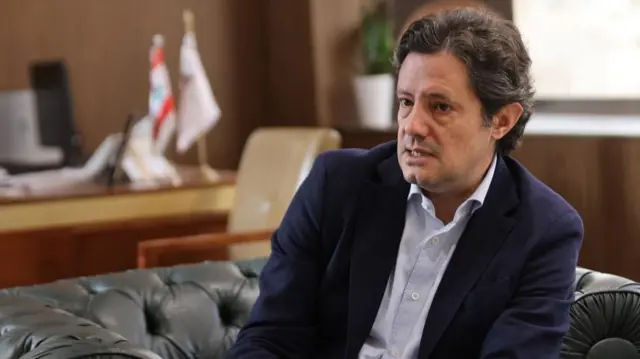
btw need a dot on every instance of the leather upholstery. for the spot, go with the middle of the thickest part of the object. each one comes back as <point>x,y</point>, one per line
<point>29,325</point>
<point>605,318</point>
<point>195,311</point>
<point>180,312</point>
<point>262,193</point>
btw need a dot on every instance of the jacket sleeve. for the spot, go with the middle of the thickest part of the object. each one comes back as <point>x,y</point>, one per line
<point>537,317</point>
<point>282,322</point>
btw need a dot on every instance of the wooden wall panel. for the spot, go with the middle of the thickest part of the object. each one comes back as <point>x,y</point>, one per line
<point>572,167</point>
<point>599,177</point>
<point>106,44</point>
<point>291,94</point>
<point>404,9</point>
<point>269,64</point>
<point>310,59</point>
<point>335,29</point>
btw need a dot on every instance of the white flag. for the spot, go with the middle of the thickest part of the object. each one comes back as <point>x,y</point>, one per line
<point>198,110</point>
<point>161,103</point>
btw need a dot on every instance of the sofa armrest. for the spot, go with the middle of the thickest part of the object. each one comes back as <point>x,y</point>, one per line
<point>191,249</point>
<point>32,328</point>
<point>604,318</point>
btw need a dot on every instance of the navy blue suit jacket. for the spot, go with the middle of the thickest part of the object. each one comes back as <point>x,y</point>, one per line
<point>506,292</point>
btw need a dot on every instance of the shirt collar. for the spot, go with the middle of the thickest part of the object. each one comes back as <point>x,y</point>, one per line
<point>480,194</point>
<point>477,197</point>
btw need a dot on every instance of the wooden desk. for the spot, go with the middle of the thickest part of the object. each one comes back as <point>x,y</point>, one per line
<point>90,229</point>
<point>93,203</point>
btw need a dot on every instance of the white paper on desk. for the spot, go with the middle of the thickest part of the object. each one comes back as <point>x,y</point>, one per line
<point>142,163</point>
<point>133,170</point>
<point>68,176</point>
<point>48,179</point>
<point>161,168</point>
<point>101,156</point>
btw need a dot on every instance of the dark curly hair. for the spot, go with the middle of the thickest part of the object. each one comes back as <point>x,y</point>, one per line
<point>492,50</point>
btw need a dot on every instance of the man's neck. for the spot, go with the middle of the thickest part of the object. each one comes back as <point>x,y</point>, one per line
<point>446,203</point>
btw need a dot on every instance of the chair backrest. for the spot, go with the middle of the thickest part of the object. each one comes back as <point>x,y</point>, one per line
<point>274,163</point>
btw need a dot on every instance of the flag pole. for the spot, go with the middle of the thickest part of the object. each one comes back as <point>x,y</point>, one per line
<point>206,171</point>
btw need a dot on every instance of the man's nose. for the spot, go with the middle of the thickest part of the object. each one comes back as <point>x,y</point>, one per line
<point>415,124</point>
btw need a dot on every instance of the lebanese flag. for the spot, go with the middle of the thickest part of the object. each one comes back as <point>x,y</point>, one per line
<point>198,111</point>
<point>161,103</point>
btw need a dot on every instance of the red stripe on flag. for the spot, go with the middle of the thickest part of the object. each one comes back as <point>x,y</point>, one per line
<point>158,57</point>
<point>167,107</point>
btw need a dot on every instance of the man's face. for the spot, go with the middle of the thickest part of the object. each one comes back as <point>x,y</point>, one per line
<point>442,139</point>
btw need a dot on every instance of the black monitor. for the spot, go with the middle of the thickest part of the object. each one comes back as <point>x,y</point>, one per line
<point>50,81</point>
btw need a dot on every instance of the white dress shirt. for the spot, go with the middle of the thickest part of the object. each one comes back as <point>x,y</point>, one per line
<point>426,247</point>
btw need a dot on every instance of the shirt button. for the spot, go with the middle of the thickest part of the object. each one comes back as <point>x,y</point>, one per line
<point>435,240</point>
<point>415,295</point>
<point>395,353</point>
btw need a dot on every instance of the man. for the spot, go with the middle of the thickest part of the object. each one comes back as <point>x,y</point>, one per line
<point>437,245</point>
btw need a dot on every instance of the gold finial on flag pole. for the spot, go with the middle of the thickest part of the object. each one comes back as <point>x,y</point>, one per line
<point>206,171</point>
<point>189,21</point>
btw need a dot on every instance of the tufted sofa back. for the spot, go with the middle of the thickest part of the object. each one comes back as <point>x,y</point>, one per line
<point>192,311</point>
<point>196,311</point>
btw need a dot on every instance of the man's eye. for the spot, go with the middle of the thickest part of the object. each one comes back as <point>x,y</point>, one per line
<point>405,103</point>
<point>441,107</point>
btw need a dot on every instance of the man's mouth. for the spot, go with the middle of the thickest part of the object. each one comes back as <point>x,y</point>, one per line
<point>417,152</point>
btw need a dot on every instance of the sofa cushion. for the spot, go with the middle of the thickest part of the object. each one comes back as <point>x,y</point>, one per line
<point>176,312</point>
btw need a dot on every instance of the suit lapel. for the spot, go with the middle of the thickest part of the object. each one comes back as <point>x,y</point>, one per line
<point>481,240</point>
<point>378,231</point>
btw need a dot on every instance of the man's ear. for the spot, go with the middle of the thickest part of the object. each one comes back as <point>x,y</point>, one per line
<point>504,120</point>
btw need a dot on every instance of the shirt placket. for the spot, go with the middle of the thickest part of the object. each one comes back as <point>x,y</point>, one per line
<point>416,293</point>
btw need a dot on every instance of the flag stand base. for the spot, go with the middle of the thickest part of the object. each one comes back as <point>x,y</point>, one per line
<point>208,173</point>
<point>174,176</point>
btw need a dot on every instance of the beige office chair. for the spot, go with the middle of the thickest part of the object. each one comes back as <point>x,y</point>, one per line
<point>274,163</point>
